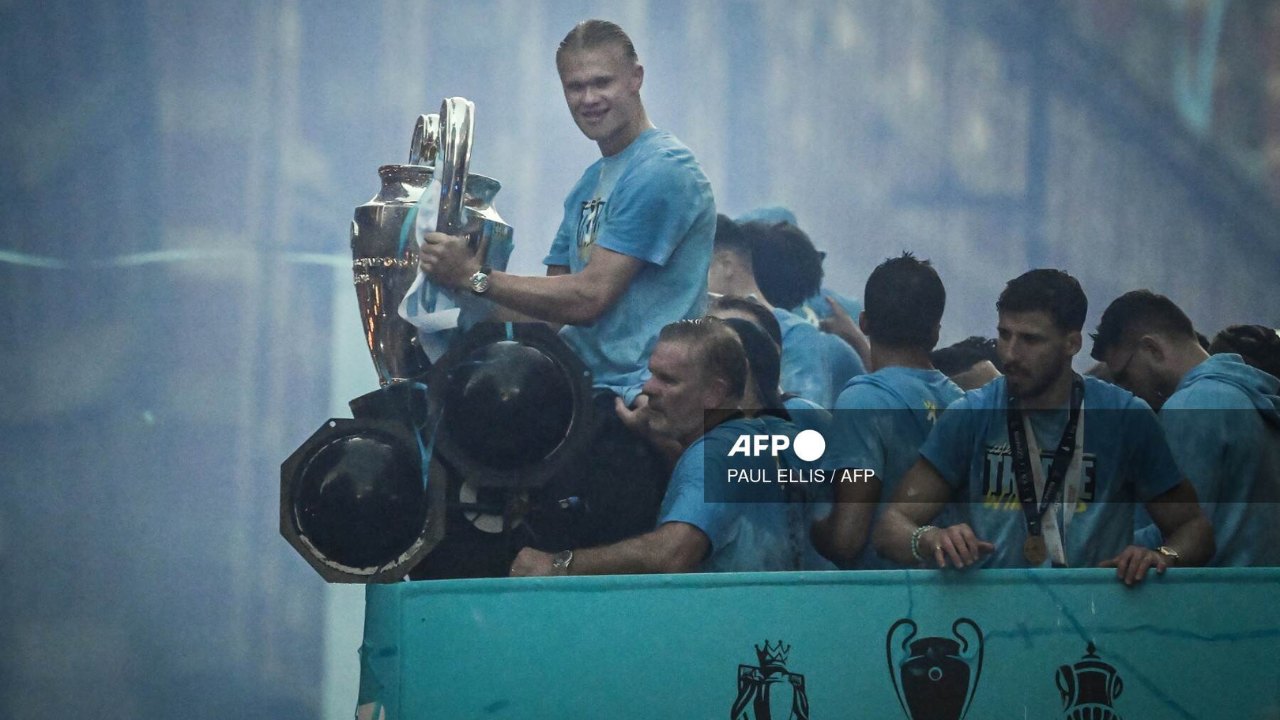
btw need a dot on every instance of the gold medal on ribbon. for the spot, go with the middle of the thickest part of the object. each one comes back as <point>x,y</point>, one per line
<point>1034,551</point>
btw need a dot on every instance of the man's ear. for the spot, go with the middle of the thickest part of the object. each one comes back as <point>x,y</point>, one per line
<point>1153,345</point>
<point>1074,342</point>
<point>637,79</point>
<point>862,323</point>
<point>715,394</point>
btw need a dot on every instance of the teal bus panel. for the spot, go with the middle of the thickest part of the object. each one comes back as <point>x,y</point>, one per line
<point>1006,644</point>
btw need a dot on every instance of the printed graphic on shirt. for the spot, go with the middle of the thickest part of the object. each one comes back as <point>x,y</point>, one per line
<point>589,227</point>
<point>932,408</point>
<point>1000,484</point>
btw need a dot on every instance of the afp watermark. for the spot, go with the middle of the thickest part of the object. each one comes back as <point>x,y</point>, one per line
<point>809,445</point>
<point>794,460</point>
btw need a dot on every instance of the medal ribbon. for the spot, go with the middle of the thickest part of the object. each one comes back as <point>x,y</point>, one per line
<point>1027,470</point>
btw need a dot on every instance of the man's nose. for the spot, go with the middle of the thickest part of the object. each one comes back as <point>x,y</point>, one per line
<point>1012,351</point>
<point>649,388</point>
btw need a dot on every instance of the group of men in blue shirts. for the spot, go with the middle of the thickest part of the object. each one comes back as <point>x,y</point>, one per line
<point>1037,468</point>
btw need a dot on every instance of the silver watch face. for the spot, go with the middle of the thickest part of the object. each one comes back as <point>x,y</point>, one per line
<point>479,282</point>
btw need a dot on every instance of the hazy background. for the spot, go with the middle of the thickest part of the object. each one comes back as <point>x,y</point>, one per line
<point>177,180</point>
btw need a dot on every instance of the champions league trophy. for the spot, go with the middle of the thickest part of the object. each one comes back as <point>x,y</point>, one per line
<point>383,249</point>
<point>935,677</point>
<point>368,499</point>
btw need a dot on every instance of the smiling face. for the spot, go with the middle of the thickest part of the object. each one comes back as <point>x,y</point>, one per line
<point>1034,351</point>
<point>602,87</point>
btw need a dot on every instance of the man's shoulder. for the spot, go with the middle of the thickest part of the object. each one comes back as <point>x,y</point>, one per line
<point>794,328</point>
<point>586,184</point>
<point>868,392</point>
<point>988,397</point>
<point>1209,393</point>
<point>899,387</point>
<point>661,155</point>
<point>1102,395</point>
<point>716,442</point>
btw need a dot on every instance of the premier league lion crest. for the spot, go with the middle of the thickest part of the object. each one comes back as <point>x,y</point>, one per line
<point>770,691</point>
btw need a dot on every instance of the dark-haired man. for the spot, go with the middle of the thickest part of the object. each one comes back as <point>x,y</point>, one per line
<point>814,365</point>
<point>1070,504</point>
<point>632,252</point>
<point>1221,416</point>
<point>1257,345</point>
<point>970,363</point>
<point>882,418</point>
<point>699,375</point>
<point>827,308</point>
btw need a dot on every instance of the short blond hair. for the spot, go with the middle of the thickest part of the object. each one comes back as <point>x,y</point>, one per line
<point>590,34</point>
<point>720,352</point>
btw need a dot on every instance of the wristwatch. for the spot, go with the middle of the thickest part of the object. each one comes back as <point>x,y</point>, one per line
<point>480,280</point>
<point>1169,554</point>
<point>561,560</point>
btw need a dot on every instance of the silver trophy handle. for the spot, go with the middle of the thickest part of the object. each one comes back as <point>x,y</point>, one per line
<point>457,115</point>
<point>426,140</point>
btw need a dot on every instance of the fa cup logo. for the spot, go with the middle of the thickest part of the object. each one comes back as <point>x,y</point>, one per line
<point>1089,688</point>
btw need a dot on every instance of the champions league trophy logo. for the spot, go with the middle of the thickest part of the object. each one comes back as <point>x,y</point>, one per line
<point>934,677</point>
<point>1089,688</point>
<point>770,691</point>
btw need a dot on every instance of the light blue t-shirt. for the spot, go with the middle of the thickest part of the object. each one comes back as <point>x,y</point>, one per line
<point>816,309</point>
<point>1223,426</point>
<point>807,414</point>
<point>815,365</point>
<point>1126,461</point>
<point>758,532</point>
<point>651,202</point>
<point>880,422</point>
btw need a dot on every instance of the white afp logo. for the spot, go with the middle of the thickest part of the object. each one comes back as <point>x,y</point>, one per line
<point>809,445</point>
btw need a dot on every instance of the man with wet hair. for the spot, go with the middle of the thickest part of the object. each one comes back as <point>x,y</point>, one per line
<point>1070,504</point>
<point>699,374</point>
<point>1221,417</point>
<point>881,419</point>
<point>814,365</point>
<point>1257,345</point>
<point>970,363</point>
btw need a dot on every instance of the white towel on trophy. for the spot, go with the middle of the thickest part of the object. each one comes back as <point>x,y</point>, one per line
<point>425,306</point>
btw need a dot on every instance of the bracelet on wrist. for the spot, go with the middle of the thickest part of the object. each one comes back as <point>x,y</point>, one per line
<point>915,540</point>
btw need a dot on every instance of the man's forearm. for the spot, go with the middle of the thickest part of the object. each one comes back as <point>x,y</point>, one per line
<point>1193,541</point>
<point>842,535</point>
<point>892,536</point>
<point>562,299</point>
<point>643,554</point>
